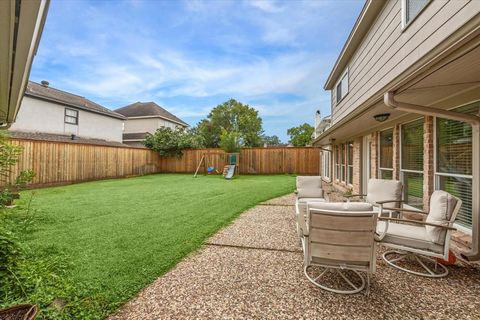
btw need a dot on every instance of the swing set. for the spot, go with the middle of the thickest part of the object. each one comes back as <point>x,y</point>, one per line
<point>229,170</point>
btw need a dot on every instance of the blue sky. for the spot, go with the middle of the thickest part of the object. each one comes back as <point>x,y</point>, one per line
<point>189,56</point>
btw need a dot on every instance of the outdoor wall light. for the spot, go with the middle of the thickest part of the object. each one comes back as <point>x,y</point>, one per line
<point>381,117</point>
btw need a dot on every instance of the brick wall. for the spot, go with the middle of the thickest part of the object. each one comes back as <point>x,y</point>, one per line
<point>357,165</point>
<point>396,152</point>
<point>374,155</point>
<point>428,170</point>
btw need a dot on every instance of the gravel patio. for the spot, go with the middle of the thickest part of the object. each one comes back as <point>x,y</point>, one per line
<point>253,270</point>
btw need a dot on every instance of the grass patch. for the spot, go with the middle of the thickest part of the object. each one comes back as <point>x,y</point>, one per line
<point>117,236</point>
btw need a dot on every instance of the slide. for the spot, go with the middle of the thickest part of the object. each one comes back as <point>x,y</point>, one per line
<point>230,172</point>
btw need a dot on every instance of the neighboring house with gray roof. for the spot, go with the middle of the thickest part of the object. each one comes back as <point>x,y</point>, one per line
<point>51,111</point>
<point>144,118</point>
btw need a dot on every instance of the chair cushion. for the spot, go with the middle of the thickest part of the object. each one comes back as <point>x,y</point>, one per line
<point>341,206</point>
<point>381,190</point>
<point>309,182</point>
<point>305,200</point>
<point>310,193</point>
<point>442,205</point>
<point>409,236</point>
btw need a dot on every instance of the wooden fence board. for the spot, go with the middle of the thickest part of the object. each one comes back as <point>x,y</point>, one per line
<point>300,160</point>
<point>61,163</point>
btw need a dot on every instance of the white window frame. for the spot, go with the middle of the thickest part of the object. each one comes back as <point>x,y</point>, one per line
<point>405,24</point>
<point>326,161</point>
<point>436,174</point>
<point>76,118</point>
<point>339,83</point>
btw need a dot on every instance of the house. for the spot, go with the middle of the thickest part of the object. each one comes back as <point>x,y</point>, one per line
<point>21,26</point>
<point>405,99</point>
<point>146,117</point>
<point>321,124</point>
<point>49,111</point>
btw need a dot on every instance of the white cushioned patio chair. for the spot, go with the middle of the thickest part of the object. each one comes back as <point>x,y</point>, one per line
<point>381,192</point>
<point>309,189</point>
<point>339,239</point>
<point>421,242</point>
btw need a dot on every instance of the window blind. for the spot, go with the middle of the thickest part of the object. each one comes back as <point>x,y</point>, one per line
<point>339,92</point>
<point>412,145</point>
<point>454,144</point>
<point>342,87</point>
<point>413,7</point>
<point>386,149</point>
<point>454,161</point>
<point>413,188</point>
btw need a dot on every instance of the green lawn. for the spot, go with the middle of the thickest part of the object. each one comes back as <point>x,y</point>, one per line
<point>119,235</point>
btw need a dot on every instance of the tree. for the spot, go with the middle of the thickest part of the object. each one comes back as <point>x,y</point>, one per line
<point>209,133</point>
<point>301,136</point>
<point>230,141</point>
<point>170,142</point>
<point>232,116</point>
<point>271,140</point>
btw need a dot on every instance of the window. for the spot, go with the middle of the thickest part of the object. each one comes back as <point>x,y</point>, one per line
<point>338,157</point>
<point>411,9</point>
<point>326,164</point>
<point>454,151</point>
<point>349,147</point>
<point>342,163</point>
<point>412,163</point>
<point>386,154</point>
<point>71,116</point>
<point>342,87</point>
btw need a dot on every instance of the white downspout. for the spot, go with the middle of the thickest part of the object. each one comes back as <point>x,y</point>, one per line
<point>389,100</point>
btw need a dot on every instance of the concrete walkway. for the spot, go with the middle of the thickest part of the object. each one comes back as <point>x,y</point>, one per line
<point>253,270</point>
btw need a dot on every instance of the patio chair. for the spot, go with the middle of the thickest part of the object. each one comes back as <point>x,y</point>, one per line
<point>309,189</point>
<point>421,241</point>
<point>340,238</point>
<point>381,192</point>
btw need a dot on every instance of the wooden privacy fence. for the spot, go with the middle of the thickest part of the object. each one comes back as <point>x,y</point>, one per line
<point>298,160</point>
<point>57,163</point>
<point>62,162</point>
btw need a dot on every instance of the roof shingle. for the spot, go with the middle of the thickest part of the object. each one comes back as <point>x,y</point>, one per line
<point>148,109</point>
<point>134,136</point>
<point>63,138</point>
<point>51,94</point>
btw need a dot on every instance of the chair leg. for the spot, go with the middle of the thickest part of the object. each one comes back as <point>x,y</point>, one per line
<point>368,284</point>
<point>355,288</point>
<point>428,272</point>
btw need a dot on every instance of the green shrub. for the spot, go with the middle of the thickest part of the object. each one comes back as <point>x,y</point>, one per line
<point>168,142</point>
<point>230,141</point>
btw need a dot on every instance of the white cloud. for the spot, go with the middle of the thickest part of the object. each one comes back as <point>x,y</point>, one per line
<point>192,56</point>
<point>266,5</point>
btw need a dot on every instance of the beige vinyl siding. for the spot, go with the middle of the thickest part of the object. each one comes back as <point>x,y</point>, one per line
<point>387,50</point>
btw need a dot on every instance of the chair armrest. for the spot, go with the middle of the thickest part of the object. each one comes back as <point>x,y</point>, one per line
<point>300,217</point>
<point>405,210</point>
<point>355,195</point>
<point>389,201</point>
<point>417,222</point>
